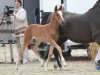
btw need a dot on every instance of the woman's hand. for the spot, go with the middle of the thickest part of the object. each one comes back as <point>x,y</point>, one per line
<point>13,14</point>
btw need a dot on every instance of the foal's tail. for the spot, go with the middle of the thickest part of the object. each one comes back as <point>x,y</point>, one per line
<point>27,36</point>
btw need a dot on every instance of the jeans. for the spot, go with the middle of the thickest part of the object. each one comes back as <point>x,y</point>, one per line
<point>19,45</point>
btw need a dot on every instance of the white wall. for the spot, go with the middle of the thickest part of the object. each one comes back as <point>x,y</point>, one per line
<point>80,6</point>
<point>48,5</point>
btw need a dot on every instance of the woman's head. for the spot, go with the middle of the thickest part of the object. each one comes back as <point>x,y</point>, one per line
<point>18,3</point>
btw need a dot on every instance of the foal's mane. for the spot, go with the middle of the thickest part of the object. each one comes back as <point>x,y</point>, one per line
<point>53,22</point>
<point>53,18</point>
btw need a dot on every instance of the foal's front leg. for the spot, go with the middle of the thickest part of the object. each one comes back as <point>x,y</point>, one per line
<point>59,50</point>
<point>36,52</point>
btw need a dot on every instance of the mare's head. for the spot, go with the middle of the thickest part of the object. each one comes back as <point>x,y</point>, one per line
<point>58,14</point>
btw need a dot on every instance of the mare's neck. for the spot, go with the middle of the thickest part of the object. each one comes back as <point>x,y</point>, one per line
<point>95,8</point>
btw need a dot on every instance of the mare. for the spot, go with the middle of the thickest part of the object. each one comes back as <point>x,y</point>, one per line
<point>48,33</point>
<point>80,28</point>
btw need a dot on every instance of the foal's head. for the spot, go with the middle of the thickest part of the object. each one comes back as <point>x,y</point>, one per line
<point>58,14</point>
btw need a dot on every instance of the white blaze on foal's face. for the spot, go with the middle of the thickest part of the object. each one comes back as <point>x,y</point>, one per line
<point>60,13</point>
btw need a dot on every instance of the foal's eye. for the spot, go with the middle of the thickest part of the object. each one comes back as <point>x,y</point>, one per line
<point>57,14</point>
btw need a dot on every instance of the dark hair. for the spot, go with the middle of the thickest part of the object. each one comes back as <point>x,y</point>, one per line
<point>19,1</point>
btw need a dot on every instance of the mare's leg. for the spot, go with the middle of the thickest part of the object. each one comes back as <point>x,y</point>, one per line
<point>27,39</point>
<point>96,37</point>
<point>56,55</point>
<point>97,58</point>
<point>60,42</point>
<point>49,56</point>
<point>36,52</point>
<point>59,50</point>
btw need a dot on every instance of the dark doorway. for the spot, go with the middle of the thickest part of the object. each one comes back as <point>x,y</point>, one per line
<point>33,10</point>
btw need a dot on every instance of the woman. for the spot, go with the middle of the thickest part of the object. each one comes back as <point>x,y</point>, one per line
<point>20,22</point>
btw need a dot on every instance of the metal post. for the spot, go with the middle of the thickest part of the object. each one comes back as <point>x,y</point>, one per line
<point>65,5</point>
<point>62,1</point>
<point>11,51</point>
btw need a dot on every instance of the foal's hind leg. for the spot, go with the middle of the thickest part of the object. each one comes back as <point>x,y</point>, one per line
<point>36,52</point>
<point>27,39</point>
<point>20,57</point>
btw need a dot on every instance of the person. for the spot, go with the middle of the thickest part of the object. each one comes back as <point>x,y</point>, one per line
<point>19,18</point>
<point>97,60</point>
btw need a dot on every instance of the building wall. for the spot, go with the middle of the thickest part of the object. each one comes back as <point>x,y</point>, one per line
<point>48,5</point>
<point>80,6</point>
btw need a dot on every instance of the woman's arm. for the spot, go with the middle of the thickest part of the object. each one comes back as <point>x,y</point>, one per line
<point>20,16</point>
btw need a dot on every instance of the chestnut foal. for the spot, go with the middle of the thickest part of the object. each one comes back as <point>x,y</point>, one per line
<point>44,33</point>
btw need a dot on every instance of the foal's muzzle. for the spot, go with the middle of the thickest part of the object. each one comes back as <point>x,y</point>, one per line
<point>63,22</point>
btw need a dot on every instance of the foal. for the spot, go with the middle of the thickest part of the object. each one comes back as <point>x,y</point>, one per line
<point>44,33</point>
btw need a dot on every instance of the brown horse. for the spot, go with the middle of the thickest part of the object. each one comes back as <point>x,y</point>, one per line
<point>44,33</point>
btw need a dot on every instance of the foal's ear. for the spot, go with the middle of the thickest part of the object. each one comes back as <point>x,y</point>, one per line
<point>60,7</point>
<point>55,8</point>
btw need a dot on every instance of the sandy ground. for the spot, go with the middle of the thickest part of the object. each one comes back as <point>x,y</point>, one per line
<point>33,68</point>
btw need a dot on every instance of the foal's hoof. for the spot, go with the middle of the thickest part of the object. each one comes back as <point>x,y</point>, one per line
<point>55,65</point>
<point>42,64</point>
<point>63,68</point>
<point>26,61</point>
<point>16,68</point>
<point>64,63</point>
<point>45,69</point>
